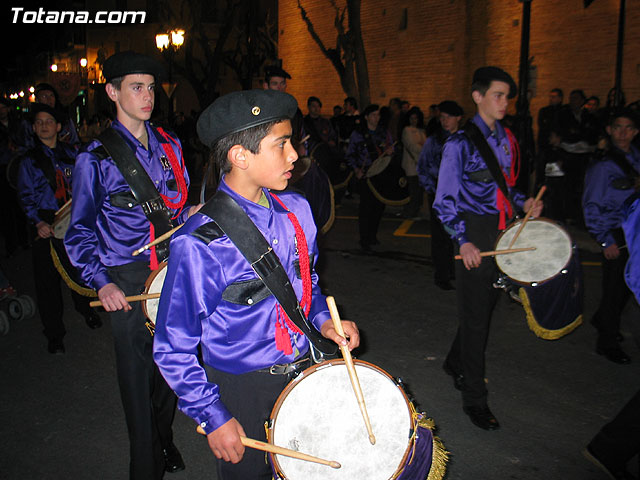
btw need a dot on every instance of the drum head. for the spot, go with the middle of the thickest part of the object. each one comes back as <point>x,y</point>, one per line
<point>378,166</point>
<point>154,285</point>
<point>552,254</point>
<point>61,222</point>
<point>318,414</point>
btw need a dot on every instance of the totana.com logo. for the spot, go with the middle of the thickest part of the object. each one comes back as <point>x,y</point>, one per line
<point>20,15</point>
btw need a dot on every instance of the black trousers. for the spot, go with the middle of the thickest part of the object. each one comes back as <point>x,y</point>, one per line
<point>441,248</point>
<point>149,404</point>
<point>416,195</point>
<point>249,397</point>
<point>476,299</point>
<point>49,291</point>
<point>615,294</point>
<point>619,440</point>
<point>370,213</point>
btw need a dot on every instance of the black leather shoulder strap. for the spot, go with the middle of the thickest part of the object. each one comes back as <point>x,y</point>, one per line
<point>235,223</point>
<point>474,134</point>
<point>140,183</point>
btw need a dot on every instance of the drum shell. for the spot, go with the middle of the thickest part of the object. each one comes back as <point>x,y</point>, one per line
<point>332,163</point>
<point>316,187</point>
<point>154,284</point>
<point>415,463</point>
<point>390,186</point>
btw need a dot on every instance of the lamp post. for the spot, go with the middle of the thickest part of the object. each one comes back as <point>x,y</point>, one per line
<point>169,43</point>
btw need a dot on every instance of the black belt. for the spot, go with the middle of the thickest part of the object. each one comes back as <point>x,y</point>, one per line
<point>286,368</point>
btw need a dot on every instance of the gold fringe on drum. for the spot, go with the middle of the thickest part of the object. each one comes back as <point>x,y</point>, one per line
<point>332,216</point>
<point>538,329</point>
<point>439,455</point>
<point>87,292</point>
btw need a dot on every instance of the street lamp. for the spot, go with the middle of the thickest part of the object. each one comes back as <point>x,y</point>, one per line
<point>169,43</point>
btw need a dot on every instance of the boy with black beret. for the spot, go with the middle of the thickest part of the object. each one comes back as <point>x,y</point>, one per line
<point>213,304</point>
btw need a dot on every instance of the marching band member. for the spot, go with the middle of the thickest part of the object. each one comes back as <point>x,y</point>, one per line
<point>113,216</point>
<point>473,208</point>
<point>215,308</point>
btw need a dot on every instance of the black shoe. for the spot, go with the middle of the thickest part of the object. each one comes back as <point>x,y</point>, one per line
<point>172,459</point>
<point>56,347</point>
<point>614,354</point>
<point>482,417</point>
<point>619,473</point>
<point>458,378</point>
<point>93,321</point>
<point>444,285</point>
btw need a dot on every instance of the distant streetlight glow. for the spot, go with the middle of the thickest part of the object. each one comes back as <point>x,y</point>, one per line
<point>162,41</point>
<point>83,62</point>
<point>54,68</point>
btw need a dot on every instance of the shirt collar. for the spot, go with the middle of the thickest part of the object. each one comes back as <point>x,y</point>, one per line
<point>132,141</point>
<point>498,133</point>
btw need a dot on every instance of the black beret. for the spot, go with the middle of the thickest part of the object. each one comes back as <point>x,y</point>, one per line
<point>451,108</point>
<point>489,74</point>
<point>127,63</point>
<point>36,108</point>
<point>241,110</point>
<point>275,71</point>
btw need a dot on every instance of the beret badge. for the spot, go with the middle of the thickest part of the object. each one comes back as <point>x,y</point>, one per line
<point>255,110</point>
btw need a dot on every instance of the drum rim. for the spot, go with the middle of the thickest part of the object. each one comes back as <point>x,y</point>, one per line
<point>147,285</point>
<point>544,220</point>
<point>305,374</point>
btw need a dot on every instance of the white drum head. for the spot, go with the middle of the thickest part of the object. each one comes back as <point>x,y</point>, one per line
<point>552,254</point>
<point>154,286</point>
<point>319,415</point>
<point>378,165</point>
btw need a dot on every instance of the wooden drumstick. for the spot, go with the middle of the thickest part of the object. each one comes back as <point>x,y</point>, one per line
<point>526,217</point>
<point>353,376</point>
<point>131,298</point>
<point>501,252</point>
<point>158,240</point>
<point>268,447</point>
<point>62,207</point>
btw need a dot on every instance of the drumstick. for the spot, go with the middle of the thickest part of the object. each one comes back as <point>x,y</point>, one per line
<point>62,207</point>
<point>268,447</point>
<point>353,376</point>
<point>501,252</point>
<point>131,298</point>
<point>305,138</point>
<point>526,217</point>
<point>158,240</point>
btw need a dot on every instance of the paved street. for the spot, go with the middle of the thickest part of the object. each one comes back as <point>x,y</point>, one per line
<point>62,419</point>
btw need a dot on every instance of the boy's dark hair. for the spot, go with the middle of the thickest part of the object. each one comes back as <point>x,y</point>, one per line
<point>370,109</point>
<point>116,82</point>
<point>249,139</point>
<point>351,101</point>
<point>558,91</point>
<point>623,113</point>
<point>481,86</point>
<point>314,99</point>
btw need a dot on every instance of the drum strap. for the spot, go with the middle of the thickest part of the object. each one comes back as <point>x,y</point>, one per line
<point>630,174</point>
<point>235,223</point>
<point>142,188</point>
<point>474,134</point>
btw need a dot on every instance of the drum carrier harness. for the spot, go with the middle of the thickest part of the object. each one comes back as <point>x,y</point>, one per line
<point>144,191</point>
<point>232,220</point>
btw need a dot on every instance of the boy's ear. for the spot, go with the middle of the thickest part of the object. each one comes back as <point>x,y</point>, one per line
<point>237,155</point>
<point>477,96</point>
<point>111,92</point>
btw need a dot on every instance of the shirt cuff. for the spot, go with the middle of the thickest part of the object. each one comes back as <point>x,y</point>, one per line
<point>100,280</point>
<point>213,417</point>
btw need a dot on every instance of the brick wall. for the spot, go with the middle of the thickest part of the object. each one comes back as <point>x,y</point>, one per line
<point>445,40</point>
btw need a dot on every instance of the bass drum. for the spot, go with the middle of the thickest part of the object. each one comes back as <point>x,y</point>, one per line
<point>390,186</point>
<point>154,284</point>
<point>333,428</point>
<point>315,185</point>
<point>333,164</point>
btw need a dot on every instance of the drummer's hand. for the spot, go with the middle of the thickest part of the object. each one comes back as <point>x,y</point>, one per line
<point>112,298</point>
<point>611,252</point>
<point>44,229</point>
<point>535,206</point>
<point>225,442</point>
<point>350,330</point>
<point>195,208</point>
<point>470,255</point>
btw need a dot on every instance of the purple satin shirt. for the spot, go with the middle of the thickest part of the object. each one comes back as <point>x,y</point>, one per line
<point>601,202</point>
<point>102,235</point>
<point>457,193</point>
<point>233,338</point>
<point>34,191</point>
<point>631,228</point>
<point>429,162</point>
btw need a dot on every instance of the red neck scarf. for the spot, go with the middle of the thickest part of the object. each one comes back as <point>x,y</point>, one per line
<point>283,322</point>
<point>176,202</point>
<point>502,204</point>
